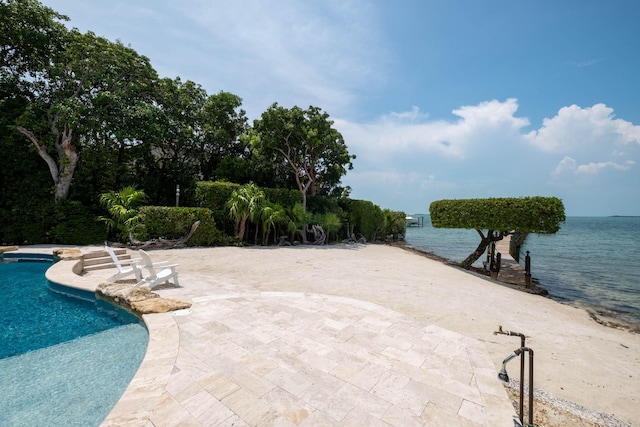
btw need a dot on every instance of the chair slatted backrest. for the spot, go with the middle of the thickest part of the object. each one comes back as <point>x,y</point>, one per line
<point>147,264</point>
<point>114,257</point>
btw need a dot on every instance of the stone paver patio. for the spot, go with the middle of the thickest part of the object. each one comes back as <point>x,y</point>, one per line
<point>241,357</point>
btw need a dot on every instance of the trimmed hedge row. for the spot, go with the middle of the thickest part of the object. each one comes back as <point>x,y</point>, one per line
<point>365,218</point>
<point>175,222</point>
<point>214,196</point>
<point>359,217</point>
<point>529,214</point>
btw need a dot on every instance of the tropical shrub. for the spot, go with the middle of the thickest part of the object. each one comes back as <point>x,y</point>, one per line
<point>123,207</point>
<point>214,195</point>
<point>175,222</point>
<point>245,203</point>
<point>330,223</point>
<point>273,217</point>
<point>395,224</point>
<point>499,217</point>
<point>365,219</point>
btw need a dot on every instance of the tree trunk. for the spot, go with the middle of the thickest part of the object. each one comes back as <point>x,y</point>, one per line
<point>255,236</point>
<point>303,189</point>
<point>482,247</point>
<point>241,230</point>
<point>61,171</point>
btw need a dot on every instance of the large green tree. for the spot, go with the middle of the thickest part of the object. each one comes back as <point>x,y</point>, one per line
<point>170,139</point>
<point>91,93</point>
<point>222,147</point>
<point>495,218</point>
<point>30,33</point>
<point>305,144</point>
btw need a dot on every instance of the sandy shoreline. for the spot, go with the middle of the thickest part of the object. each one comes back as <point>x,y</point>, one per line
<point>576,359</point>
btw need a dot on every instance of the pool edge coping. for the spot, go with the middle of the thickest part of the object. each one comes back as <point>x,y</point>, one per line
<point>147,387</point>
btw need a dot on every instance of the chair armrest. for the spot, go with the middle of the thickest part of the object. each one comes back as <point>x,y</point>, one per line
<point>170,265</point>
<point>130,261</point>
<point>160,264</point>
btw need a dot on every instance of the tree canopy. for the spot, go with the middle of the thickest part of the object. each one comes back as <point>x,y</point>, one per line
<point>306,144</point>
<point>82,116</point>
<point>29,34</point>
<point>499,216</point>
<point>90,94</point>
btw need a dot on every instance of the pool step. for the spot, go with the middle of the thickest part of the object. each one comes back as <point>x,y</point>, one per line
<point>98,260</point>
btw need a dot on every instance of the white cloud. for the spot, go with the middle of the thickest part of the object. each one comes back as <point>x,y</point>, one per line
<point>491,114</point>
<point>478,126</point>
<point>566,165</point>
<point>585,129</point>
<point>306,53</point>
<point>486,149</point>
<point>570,165</point>
<point>415,115</point>
<point>592,168</point>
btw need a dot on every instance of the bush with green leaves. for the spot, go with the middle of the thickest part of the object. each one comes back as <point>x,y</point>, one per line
<point>365,218</point>
<point>175,222</point>
<point>76,225</point>
<point>214,195</point>
<point>123,207</point>
<point>499,217</point>
<point>283,196</point>
<point>330,223</point>
<point>395,224</point>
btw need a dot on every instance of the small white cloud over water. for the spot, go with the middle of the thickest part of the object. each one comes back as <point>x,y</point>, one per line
<point>590,128</point>
<point>487,150</point>
<point>475,126</point>
<point>596,167</point>
<point>570,165</point>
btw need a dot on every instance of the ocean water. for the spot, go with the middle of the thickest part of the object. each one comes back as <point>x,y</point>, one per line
<point>592,262</point>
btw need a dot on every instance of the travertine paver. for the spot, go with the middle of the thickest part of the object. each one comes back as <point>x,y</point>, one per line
<point>293,359</point>
<point>240,357</point>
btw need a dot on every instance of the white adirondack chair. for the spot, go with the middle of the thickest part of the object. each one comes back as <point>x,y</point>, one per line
<point>126,267</point>
<point>157,274</point>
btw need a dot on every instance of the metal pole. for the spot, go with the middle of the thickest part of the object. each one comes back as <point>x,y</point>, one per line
<point>522,346</point>
<point>527,271</point>
<point>530,387</point>
<point>522,380</point>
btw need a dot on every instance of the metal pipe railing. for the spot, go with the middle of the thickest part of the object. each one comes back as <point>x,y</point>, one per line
<point>504,377</point>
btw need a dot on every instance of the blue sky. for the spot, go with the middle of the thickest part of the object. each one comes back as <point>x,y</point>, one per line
<point>437,99</point>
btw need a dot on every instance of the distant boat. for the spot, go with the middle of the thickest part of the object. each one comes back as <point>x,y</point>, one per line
<point>410,221</point>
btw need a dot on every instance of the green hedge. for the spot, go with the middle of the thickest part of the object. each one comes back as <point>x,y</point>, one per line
<point>528,214</point>
<point>283,196</point>
<point>366,219</point>
<point>76,225</point>
<point>361,217</point>
<point>395,224</point>
<point>67,222</point>
<point>323,204</point>
<point>214,196</point>
<point>175,222</point>
<point>27,224</point>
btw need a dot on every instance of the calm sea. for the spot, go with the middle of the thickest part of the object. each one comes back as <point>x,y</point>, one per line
<point>591,262</point>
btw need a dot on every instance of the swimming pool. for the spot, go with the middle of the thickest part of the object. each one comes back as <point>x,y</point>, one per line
<point>66,357</point>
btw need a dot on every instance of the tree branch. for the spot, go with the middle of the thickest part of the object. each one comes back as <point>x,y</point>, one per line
<point>42,152</point>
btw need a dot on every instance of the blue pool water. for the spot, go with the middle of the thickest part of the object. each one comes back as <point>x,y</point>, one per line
<point>66,358</point>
